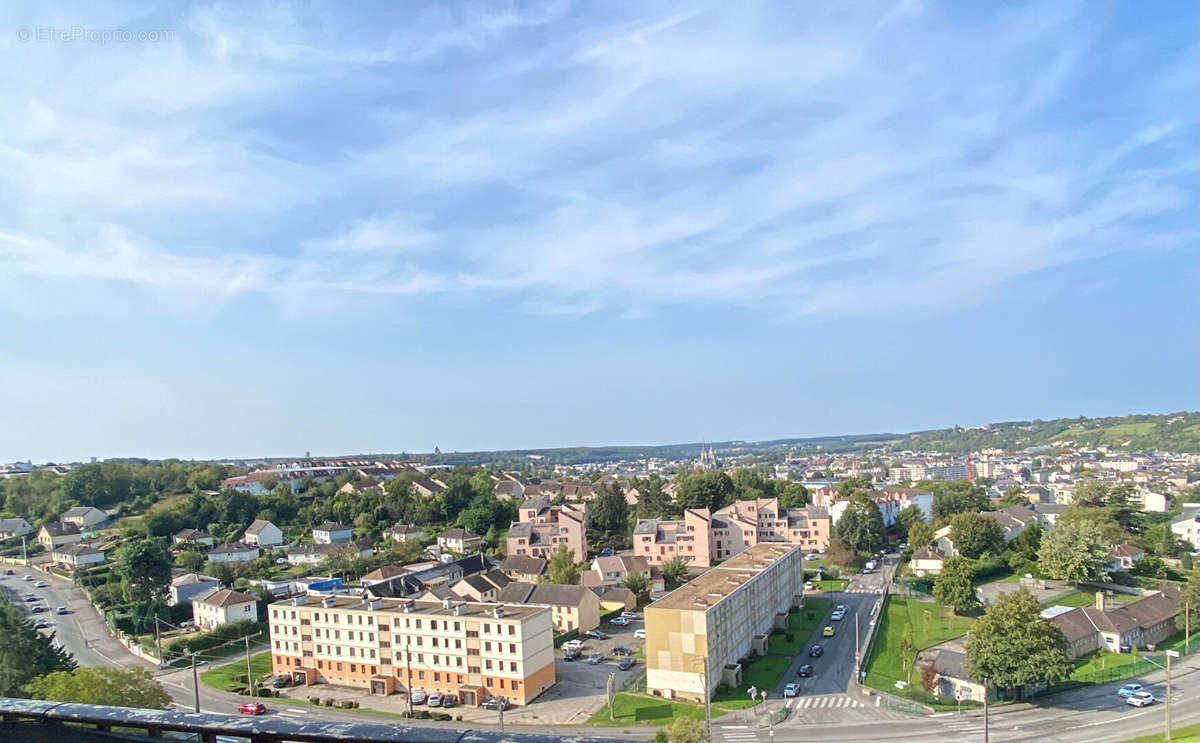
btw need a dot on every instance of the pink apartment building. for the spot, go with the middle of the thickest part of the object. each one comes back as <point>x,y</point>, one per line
<point>541,527</point>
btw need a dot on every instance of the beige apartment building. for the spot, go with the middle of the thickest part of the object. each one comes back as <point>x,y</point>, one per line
<point>697,635</point>
<point>541,527</point>
<point>473,650</point>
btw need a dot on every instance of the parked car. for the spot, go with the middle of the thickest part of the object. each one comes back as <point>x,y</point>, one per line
<point>572,644</point>
<point>30,597</point>
<point>435,700</point>
<point>606,552</point>
<point>1128,689</point>
<point>828,631</point>
<point>495,703</point>
<point>596,634</point>
<point>253,708</point>
<point>41,584</point>
<point>791,690</point>
<point>594,659</point>
<point>626,663</point>
<point>620,621</point>
<point>29,577</point>
<point>449,700</point>
<point>808,586</point>
<point>61,610</point>
<point>188,623</point>
<point>280,681</point>
<point>816,651</point>
<point>39,609</point>
<point>639,634</point>
<point>631,614</point>
<point>418,697</point>
<point>572,654</point>
<point>805,671</point>
<point>1140,699</point>
<point>41,624</point>
<point>620,650</point>
<point>10,571</point>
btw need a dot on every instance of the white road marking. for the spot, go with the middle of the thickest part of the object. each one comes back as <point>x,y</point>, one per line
<point>734,727</point>
<point>298,711</point>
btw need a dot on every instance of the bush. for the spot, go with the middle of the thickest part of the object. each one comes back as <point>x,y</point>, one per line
<point>265,693</point>
<point>660,735</point>
<point>314,700</point>
<point>327,702</point>
<point>441,717</point>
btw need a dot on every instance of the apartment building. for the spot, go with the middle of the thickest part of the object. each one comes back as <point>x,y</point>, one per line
<point>890,501</point>
<point>660,540</point>
<point>473,650</point>
<point>541,527</point>
<point>697,635</point>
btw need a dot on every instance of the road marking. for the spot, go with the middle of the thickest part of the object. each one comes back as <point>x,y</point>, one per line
<point>734,727</point>
<point>298,711</point>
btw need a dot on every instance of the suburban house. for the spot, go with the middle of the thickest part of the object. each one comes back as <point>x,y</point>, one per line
<point>77,555</point>
<point>615,598</point>
<point>85,517</point>
<point>189,585</point>
<point>192,537</point>
<point>949,662</point>
<point>427,487</point>
<point>485,586</point>
<point>1012,521</point>
<point>572,607</point>
<point>57,533</point>
<point>222,606</point>
<point>417,582</point>
<point>402,533</point>
<point>1186,526</point>
<point>890,501</point>
<point>460,540</point>
<point>312,554</point>
<point>1124,557</point>
<point>263,534</point>
<point>928,560</point>
<point>1142,624</point>
<point>1049,513</point>
<point>14,528</point>
<point>541,527</point>
<point>613,569</point>
<point>523,567</point>
<point>233,552</point>
<point>331,532</point>
<point>358,487</point>
<point>382,573</point>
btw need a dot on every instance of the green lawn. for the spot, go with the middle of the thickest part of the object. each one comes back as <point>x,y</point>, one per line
<point>927,623</point>
<point>762,672</point>
<point>1188,734</point>
<point>832,584</point>
<point>640,709</point>
<point>1093,662</point>
<point>800,626</point>
<point>227,676</point>
<point>1075,599</point>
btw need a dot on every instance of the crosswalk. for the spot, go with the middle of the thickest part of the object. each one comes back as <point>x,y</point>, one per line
<point>739,734</point>
<point>825,701</point>
<point>861,589</point>
<point>293,712</point>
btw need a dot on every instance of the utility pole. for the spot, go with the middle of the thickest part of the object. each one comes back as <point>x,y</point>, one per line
<point>1169,654</point>
<point>157,641</point>
<point>195,681</point>
<point>249,677</point>
<point>24,553</point>
<point>707,701</point>
<point>985,711</point>
<point>857,650</point>
<point>1187,626</point>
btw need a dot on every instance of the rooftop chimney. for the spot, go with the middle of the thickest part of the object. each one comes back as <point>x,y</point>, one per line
<point>375,604</point>
<point>1100,600</point>
<point>328,602</point>
<point>497,611</point>
<point>410,606</point>
<point>301,600</point>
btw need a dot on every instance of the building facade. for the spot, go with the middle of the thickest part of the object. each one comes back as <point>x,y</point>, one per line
<point>541,527</point>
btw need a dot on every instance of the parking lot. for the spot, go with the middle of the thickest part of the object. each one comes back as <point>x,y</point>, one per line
<point>596,676</point>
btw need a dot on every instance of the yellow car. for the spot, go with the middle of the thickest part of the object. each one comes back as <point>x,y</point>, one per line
<point>828,631</point>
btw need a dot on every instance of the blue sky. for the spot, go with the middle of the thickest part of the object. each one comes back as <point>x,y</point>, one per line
<point>383,227</point>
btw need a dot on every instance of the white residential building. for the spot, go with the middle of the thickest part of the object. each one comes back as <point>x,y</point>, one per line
<point>223,606</point>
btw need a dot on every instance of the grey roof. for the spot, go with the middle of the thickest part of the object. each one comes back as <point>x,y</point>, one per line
<point>523,564</point>
<point>13,524</point>
<point>553,594</point>
<point>457,532</point>
<point>540,502</point>
<point>258,526</point>
<point>80,511</point>
<point>60,528</point>
<point>928,553</point>
<point>231,547</point>
<point>76,549</point>
<point>331,526</point>
<point>521,529</point>
<point>646,526</point>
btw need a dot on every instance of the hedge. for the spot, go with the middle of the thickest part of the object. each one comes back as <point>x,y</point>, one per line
<point>211,639</point>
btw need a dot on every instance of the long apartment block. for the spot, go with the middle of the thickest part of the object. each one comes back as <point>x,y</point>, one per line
<point>697,635</point>
<point>473,650</point>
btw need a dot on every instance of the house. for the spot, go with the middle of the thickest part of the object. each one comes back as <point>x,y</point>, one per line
<point>416,582</point>
<point>313,554</point>
<point>85,517</point>
<point>77,555</point>
<point>14,528</point>
<point>189,585</point>
<point>1049,513</point>
<point>572,607</point>
<point>383,573</point>
<point>460,540</point>
<point>951,680</point>
<point>222,606</point>
<point>615,598</point>
<point>189,537</point>
<point>359,487</point>
<point>1011,520</point>
<point>541,527</point>
<point>1142,624</point>
<point>331,532</point>
<point>1123,557</point>
<point>233,552</point>
<point>263,534</point>
<point>928,560</point>
<point>57,533</point>
<point>613,569</point>
<point>1185,526</point>
<point>427,487</point>
<point>402,533</point>
<point>485,586</point>
<point>524,568</point>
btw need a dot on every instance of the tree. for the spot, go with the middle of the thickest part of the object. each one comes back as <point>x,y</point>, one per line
<point>685,730</point>
<point>1074,551</point>
<point>636,581</point>
<point>1189,603</point>
<point>144,566</point>
<point>910,516</point>
<point>222,571</point>
<point>711,490</point>
<point>653,503</point>
<point>850,485</point>
<point>1012,497</point>
<point>1028,541</point>
<point>954,586</point>
<point>674,571</point>
<point>929,677</point>
<point>920,535</point>
<point>974,534</point>
<point>1185,561</point>
<point>1110,530</point>
<point>791,494</point>
<point>861,524</point>
<point>839,553</point>
<point>119,687</point>
<point>25,653</point>
<point>1092,493</point>
<point>610,512</point>
<point>190,560</point>
<point>1012,646</point>
<point>562,568</point>
<point>955,496</point>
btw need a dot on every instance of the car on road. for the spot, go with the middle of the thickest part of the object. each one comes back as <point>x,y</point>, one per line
<point>39,609</point>
<point>572,644</point>
<point>41,624</point>
<point>435,700</point>
<point>594,659</point>
<point>41,584</point>
<point>494,703</point>
<point>30,597</point>
<point>10,571</point>
<point>816,651</point>
<point>837,616</point>
<point>620,621</point>
<point>61,610</point>
<point>805,671</point>
<point>253,708</point>
<point>29,577</point>
<point>596,634</point>
<point>1128,689</point>
<point>639,634</point>
<point>620,650</point>
<point>418,697</point>
<point>828,631</point>
<point>1140,699</point>
<point>791,690</point>
<point>626,663</point>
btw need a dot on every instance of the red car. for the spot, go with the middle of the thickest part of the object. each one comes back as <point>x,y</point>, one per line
<point>253,708</point>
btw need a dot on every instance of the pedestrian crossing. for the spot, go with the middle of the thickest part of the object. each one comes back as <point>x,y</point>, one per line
<point>861,589</point>
<point>826,701</point>
<point>294,712</point>
<point>738,734</point>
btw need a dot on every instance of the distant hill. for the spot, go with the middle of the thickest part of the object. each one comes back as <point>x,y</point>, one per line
<point>1173,432</point>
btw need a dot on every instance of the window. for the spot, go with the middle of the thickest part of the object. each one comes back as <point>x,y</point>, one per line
<point>512,666</point>
<point>512,629</point>
<point>512,647</point>
<point>353,668</point>
<point>487,664</point>
<point>437,676</point>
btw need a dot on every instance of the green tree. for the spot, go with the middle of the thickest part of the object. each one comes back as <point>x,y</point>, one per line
<point>119,687</point>
<point>1012,497</point>
<point>851,484</point>
<point>674,571</point>
<point>222,571</point>
<point>25,653</point>
<point>1100,517</point>
<point>954,586</point>
<point>1074,551</point>
<point>791,494</point>
<point>636,581</point>
<point>974,534</point>
<point>610,512</point>
<point>955,496</point>
<point>920,535</point>
<point>1185,561</point>
<point>711,490</point>
<point>653,503</point>
<point>1189,603</point>
<point>562,568</point>
<point>910,516</point>
<point>1012,646</point>
<point>144,566</point>
<point>861,524</point>
<point>190,560</point>
<point>685,730</point>
<point>1090,493</point>
<point>1028,541</point>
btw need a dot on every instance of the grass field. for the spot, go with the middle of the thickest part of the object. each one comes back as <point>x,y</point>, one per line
<point>1094,662</point>
<point>1188,734</point>
<point>226,676</point>
<point>638,709</point>
<point>832,584</point>
<point>927,624</point>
